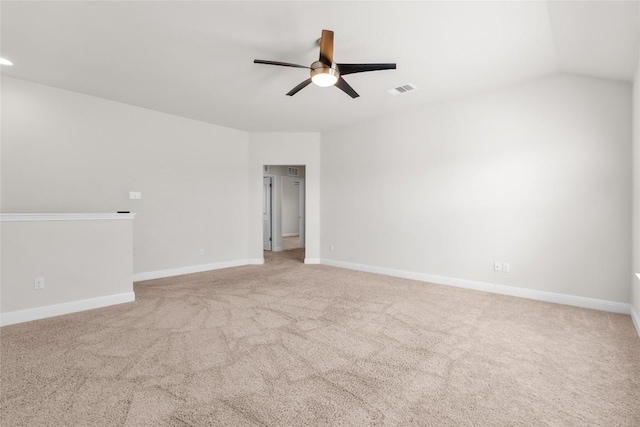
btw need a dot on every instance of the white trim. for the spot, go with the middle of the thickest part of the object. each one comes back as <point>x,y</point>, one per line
<point>577,301</point>
<point>635,319</point>
<point>170,272</point>
<point>19,316</point>
<point>634,314</point>
<point>290,234</point>
<point>22,217</point>
<point>277,249</point>
<point>312,261</point>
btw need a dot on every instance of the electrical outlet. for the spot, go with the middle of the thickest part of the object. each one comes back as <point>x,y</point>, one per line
<point>331,247</point>
<point>201,252</point>
<point>497,266</point>
<point>506,267</point>
<point>38,283</point>
<point>135,195</point>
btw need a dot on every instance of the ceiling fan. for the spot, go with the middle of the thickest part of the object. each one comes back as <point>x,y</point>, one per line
<point>325,72</point>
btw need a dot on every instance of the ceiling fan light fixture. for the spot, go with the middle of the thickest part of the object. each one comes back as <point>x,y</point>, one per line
<point>325,72</point>
<point>322,75</point>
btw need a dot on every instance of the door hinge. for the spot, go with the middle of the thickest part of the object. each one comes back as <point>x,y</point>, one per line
<point>269,238</point>
<point>270,185</point>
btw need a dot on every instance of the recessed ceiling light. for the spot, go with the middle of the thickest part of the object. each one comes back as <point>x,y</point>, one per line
<point>4,61</point>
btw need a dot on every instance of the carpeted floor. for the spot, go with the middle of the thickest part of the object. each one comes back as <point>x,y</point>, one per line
<point>288,344</point>
<point>290,242</point>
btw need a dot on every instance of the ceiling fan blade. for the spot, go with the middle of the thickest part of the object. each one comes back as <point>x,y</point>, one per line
<point>326,47</point>
<point>283,64</point>
<point>361,68</point>
<point>344,86</point>
<point>299,87</point>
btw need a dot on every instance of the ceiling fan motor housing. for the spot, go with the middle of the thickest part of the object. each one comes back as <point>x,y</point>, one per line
<point>323,74</point>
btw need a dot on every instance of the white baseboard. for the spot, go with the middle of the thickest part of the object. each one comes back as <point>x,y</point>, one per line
<point>20,316</point>
<point>312,261</point>
<point>577,301</point>
<point>170,272</point>
<point>290,234</point>
<point>635,318</point>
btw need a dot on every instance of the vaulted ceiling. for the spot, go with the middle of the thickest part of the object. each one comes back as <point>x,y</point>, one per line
<point>195,59</point>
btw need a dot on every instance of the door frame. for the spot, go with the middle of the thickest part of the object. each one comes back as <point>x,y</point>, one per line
<point>273,180</point>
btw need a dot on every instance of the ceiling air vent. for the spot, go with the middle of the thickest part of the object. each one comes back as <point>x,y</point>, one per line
<point>293,172</point>
<point>402,89</point>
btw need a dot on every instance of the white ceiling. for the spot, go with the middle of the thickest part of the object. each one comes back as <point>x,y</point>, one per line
<point>195,59</point>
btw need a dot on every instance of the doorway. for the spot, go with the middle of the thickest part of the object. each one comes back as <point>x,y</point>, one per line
<point>283,207</point>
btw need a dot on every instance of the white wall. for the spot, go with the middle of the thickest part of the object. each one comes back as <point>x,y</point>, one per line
<point>635,280</point>
<point>85,263</point>
<point>68,152</point>
<point>536,175</point>
<point>285,149</point>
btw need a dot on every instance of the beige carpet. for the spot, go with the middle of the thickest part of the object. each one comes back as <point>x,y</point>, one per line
<point>290,242</point>
<point>289,344</point>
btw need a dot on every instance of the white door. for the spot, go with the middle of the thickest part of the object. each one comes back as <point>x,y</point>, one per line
<point>266,213</point>
<point>300,186</point>
<point>292,208</point>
